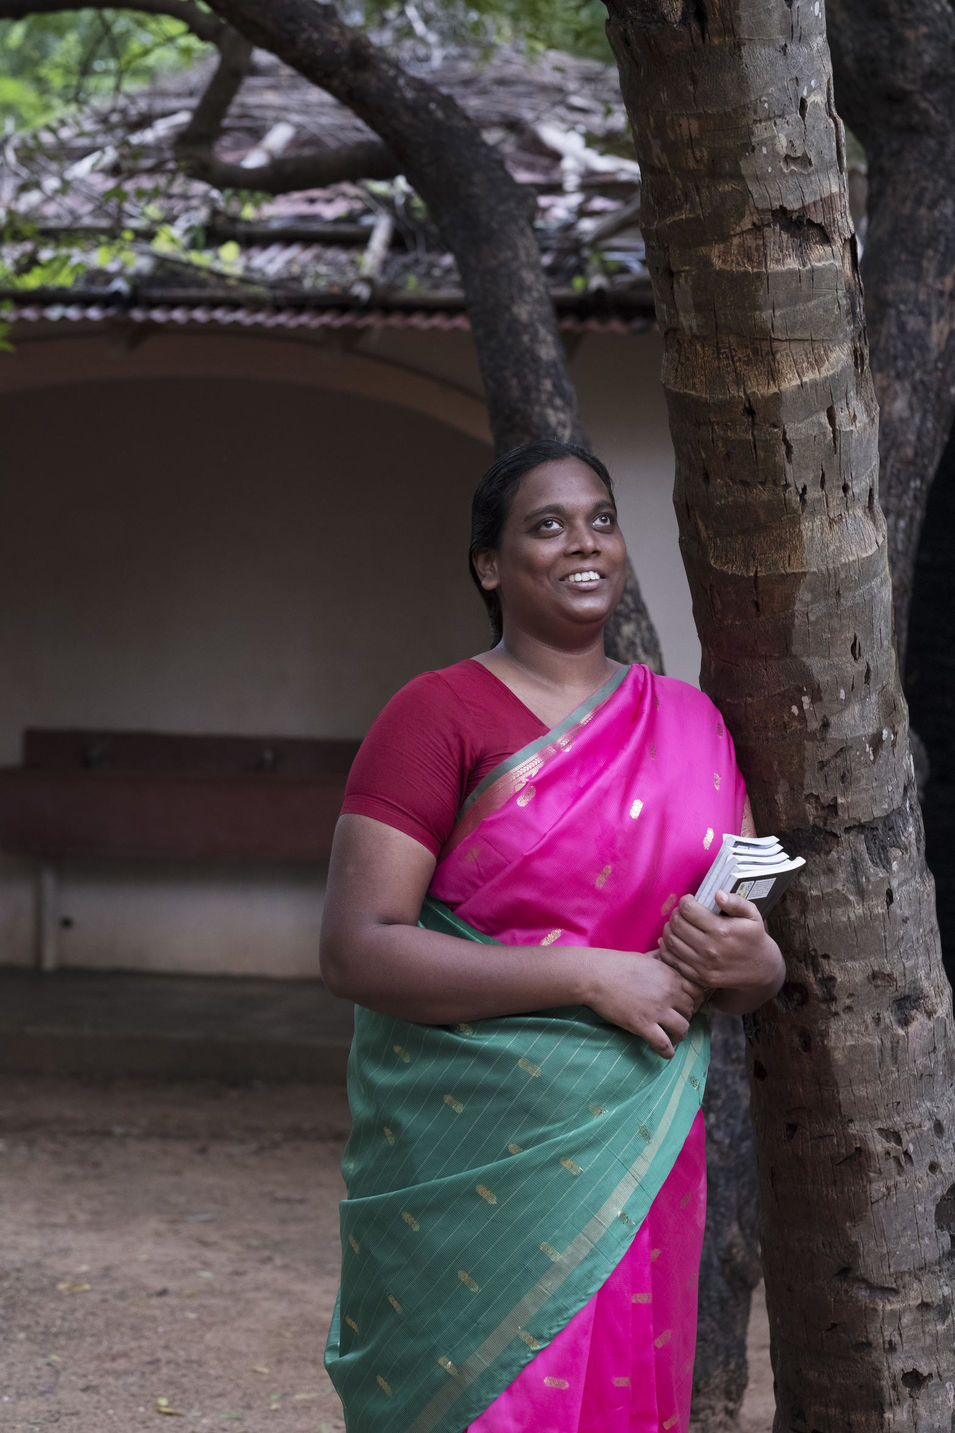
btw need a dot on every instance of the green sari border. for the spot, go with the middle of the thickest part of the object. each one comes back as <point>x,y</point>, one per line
<point>549,737</point>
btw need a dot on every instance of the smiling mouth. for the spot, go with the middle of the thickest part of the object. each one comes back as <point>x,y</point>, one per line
<point>582,577</point>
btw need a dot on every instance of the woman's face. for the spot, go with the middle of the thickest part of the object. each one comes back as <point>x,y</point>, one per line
<point>562,559</point>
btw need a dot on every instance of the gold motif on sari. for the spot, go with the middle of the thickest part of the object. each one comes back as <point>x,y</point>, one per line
<point>356,1247</point>
<point>515,1149</point>
<point>351,1324</point>
<point>402,1054</point>
<point>554,1255</point>
<point>454,1104</point>
<point>668,904</point>
<point>395,1304</point>
<point>388,1135</point>
<point>467,1281</point>
<point>410,1220</point>
<point>528,1338</point>
<point>486,1194</point>
<point>551,936</point>
<point>635,809</point>
<point>528,1066</point>
<point>597,1110</point>
<point>447,1365</point>
<point>642,1299</point>
<point>663,1338</point>
<point>623,1382</point>
<point>601,880</point>
<point>717,779</point>
<point>551,1382</point>
<point>527,795</point>
<point>708,838</point>
<point>571,1165</point>
<point>383,1384</point>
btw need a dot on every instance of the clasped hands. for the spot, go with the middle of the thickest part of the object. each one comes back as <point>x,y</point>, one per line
<point>728,952</point>
<point>730,958</point>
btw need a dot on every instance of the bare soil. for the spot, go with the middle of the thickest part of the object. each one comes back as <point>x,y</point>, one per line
<point>171,1251</point>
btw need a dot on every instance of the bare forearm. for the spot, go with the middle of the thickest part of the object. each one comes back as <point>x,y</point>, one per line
<point>438,979</point>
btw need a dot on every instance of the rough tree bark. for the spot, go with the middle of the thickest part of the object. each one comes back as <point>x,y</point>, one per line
<point>774,423</point>
<point>894,63</point>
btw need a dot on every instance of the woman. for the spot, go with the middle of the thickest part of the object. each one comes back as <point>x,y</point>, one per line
<point>508,906</point>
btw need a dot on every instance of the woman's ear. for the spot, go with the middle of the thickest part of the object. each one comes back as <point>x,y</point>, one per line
<point>485,565</point>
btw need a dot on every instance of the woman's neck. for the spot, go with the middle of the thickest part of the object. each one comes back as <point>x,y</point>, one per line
<point>527,660</point>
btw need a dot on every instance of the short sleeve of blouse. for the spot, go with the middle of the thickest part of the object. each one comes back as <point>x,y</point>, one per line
<point>411,769</point>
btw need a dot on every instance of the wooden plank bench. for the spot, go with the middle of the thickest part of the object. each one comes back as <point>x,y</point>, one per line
<point>165,796</point>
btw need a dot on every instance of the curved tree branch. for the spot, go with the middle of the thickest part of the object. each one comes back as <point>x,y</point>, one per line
<point>200,22</point>
<point>484,217</point>
<point>894,63</point>
<point>481,211</point>
<point>202,131</point>
<point>363,160</point>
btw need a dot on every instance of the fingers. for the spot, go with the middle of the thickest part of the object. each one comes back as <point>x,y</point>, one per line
<point>659,1041</point>
<point>678,1026</point>
<point>737,906</point>
<point>691,914</point>
<point>692,985</point>
<point>675,946</point>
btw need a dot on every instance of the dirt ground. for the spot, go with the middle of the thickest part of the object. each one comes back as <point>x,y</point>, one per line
<point>172,1251</point>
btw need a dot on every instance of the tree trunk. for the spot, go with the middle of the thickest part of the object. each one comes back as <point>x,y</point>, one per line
<point>894,64</point>
<point>774,423</point>
<point>729,1269</point>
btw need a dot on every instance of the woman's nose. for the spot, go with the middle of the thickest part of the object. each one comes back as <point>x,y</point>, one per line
<point>584,538</point>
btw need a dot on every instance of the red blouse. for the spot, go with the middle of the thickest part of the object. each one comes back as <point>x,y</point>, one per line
<point>432,744</point>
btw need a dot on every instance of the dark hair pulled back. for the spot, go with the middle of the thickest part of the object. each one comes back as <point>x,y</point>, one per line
<point>495,493</point>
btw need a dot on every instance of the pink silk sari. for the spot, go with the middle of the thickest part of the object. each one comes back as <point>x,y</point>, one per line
<point>564,844</point>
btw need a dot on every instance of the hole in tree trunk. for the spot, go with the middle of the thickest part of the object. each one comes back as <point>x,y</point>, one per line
<point>945,1212</point>
<point>930,688</point>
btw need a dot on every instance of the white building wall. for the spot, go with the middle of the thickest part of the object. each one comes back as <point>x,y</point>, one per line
<point>232,552</point>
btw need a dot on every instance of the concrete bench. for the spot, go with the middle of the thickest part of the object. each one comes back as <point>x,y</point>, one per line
<point>159,796</point>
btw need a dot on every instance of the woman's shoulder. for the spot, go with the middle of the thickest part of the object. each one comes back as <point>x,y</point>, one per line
<point>675,695</point>
<point>466,692</point>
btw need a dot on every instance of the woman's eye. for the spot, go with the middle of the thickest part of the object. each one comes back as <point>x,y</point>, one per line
<point>606,519</point>
<point>548,524</point>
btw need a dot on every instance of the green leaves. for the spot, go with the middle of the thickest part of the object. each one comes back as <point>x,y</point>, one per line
<point>51,63</point>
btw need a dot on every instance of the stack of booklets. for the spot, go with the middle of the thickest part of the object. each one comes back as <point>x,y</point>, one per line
<point>754,867</point>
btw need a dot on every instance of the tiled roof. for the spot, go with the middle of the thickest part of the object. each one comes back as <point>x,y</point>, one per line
<point>89,311</point>
<point>300,260</point>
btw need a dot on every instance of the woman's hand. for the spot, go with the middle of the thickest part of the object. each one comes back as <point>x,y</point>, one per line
<point>733,952</point>
<point>642,994</point>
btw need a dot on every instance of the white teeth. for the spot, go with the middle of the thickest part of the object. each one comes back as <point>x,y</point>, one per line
<point>583,577</point>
